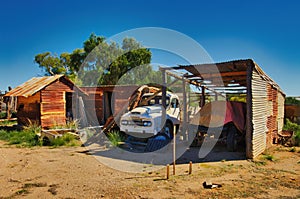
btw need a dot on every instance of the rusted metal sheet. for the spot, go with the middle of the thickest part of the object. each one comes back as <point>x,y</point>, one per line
<point>272,114</point>
<point>280,117</point>
<point>259,116</point>
<point>32,86</point>
<point>36,84</point>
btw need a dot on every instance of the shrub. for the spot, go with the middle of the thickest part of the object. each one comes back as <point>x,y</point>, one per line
<point>65,140</point>
<point>73,124</point>
<point>22,138</point>
<point>2,115</point>
<point>28,138</point>
<point>33,127</point>
<point>296,138</point>
<point>268,157</point>
<point>115,137</point>
<point>8,123</point>
<point>290,126</point>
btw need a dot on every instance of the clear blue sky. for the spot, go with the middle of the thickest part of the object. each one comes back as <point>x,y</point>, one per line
<point>266,31</point>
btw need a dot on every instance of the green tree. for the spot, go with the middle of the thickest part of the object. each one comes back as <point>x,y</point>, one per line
<point>99,62</point>
<point>50,63</point>
<point>292,101</point>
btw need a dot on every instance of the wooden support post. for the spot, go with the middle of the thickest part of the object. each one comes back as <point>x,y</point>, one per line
<point>164,98</point>
<point>174,168</point>
<point>184,110</point>
<point>174,149</point>
<point>168,171</point>
<point>190,167</point>
<point>203,96</point>
<point>8,108</point>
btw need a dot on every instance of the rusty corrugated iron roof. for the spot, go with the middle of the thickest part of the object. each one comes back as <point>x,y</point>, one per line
<point>32,86</point>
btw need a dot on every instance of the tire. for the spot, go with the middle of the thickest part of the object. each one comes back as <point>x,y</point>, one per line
<point>231,141</point>
<point>168,130</point>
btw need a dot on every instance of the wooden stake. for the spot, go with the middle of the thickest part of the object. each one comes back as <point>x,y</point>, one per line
<point>168,171</point>
<point>174,149</point>
<point>190,168</point>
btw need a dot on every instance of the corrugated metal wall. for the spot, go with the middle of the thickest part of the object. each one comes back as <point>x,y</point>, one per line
<point>259,113</point>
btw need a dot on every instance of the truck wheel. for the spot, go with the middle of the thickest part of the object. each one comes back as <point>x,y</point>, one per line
<point>231,141</point>
<point>169,130</point>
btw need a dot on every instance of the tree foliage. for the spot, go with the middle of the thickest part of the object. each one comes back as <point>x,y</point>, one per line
<point>292,101</point>
<point>101,62</point>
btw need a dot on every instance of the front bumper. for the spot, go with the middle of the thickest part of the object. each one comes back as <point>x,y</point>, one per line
<point>138,131</point>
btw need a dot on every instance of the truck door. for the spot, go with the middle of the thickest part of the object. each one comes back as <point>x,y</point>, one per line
<point>174,109</point>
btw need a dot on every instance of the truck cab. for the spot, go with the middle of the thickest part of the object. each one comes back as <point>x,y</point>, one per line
<point>145,121</point>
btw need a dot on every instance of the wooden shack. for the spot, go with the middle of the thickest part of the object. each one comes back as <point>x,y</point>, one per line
<point>46,101</point>
<point>106,100</point>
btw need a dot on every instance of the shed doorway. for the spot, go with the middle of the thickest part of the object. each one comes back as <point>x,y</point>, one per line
<point>108,105</point>
<point>69,112</point>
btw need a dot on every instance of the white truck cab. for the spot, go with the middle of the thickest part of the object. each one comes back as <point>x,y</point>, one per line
<point>146,120</point>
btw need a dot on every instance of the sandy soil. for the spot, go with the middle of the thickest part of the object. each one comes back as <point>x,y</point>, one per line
<point>43,172</point>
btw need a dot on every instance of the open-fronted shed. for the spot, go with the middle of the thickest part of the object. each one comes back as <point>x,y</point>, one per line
<point>264,98</point>
<point>46,101</point>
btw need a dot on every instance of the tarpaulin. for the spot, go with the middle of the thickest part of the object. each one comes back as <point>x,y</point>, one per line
<point>219,113</point>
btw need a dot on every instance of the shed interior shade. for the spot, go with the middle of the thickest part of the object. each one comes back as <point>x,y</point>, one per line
<point>225,77</point>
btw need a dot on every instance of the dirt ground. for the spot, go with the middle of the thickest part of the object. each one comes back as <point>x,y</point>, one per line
<point>69,172</point>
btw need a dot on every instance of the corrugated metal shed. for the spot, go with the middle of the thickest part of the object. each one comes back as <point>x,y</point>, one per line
<point>265,99</point>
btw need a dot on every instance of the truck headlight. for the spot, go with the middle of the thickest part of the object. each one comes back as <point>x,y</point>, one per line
<point>124,122</point>
<point>147,123</point>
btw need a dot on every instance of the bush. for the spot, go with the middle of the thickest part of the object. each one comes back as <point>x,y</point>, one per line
<point>2,115</point>
<point>22,138</point>
<point>8,123</point>
<point>33,127</point>
<point>296,139</point>
<point>290,126</point>
<point>115,137</point>
<point>65,140</point>
<point>29,138</point>
<point>269,157</point>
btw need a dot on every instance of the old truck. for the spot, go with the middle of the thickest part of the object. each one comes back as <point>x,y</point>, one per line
<point>146,120</point>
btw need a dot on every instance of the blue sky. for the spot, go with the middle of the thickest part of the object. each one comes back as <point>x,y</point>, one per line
<point>266,31</point>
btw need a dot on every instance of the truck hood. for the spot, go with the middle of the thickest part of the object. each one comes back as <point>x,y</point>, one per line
<point>145,110</point>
